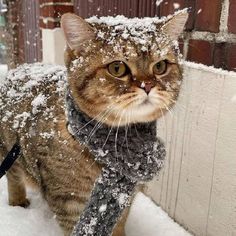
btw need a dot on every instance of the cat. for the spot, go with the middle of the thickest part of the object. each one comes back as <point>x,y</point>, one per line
<point>119,71</point>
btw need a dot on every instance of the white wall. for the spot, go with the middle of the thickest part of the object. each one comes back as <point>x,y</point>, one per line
<point>53,45</point>
<point>197,187</point>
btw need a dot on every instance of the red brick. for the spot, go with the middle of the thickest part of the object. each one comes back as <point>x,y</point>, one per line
<point>200,51</point>
<point>209,17</point>
<point>47,1</point>
<point>167,8</point>
<point>231,57</point>
<point>191,5</point>
<point>49,24</point>
<point>55,11</point>
<point>219,58</point>
<point>232,17</point>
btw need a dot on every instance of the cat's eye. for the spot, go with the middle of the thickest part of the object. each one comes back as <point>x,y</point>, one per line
<point>160,68</point>
<point>117,69</point>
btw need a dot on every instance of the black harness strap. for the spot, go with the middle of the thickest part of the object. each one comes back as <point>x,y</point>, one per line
<point>9,160</point>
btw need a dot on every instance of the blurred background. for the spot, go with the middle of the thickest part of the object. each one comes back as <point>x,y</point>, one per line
<point>27,26</point>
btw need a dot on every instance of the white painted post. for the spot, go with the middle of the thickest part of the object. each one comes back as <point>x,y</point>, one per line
<point>53,45</point>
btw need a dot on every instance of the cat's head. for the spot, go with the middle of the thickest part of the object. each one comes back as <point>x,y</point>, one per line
<point>123,70</point>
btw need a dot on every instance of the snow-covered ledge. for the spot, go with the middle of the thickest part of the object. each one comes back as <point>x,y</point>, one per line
<point>197,185</point>
<point>53,45</point>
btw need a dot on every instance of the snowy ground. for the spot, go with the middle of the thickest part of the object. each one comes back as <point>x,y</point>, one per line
<point>146,219</point>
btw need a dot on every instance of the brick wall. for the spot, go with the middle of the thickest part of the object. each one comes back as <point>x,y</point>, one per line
<point>210,36</point>
<point>51,11</point>
<point>129,8</point>
<point>24,42</point>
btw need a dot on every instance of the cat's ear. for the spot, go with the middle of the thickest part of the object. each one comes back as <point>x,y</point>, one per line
<point>76,30</point>
<point>175,26</point>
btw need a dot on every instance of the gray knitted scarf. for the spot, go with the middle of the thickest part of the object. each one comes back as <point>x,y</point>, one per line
<point>129,154</point>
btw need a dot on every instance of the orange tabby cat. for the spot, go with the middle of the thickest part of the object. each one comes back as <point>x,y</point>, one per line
<point>119,72</point>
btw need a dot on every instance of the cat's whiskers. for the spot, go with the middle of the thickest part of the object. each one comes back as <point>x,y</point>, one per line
<point>126,131</point>
<point>166,107</point>
<point>164,102</point>
<point>161,101</point>
<point>81,156</point>
<point>101,114</point>
<point>98,117</point>
<point>136,131</point>
<point>104,114</point>
<point>129,122</point>
<point>108,137</point>
<point>110,131</point>
<point>117,130</point>
<point>68,136</point>
<point>78,130</point>
<point>99,123</point>
<point>122,99</point>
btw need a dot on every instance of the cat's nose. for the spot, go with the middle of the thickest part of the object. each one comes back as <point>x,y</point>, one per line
<point>147,86</point>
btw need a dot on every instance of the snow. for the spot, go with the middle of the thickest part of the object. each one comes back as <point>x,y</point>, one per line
<point>47,135</point>
<point>176,5</point>
<point>147,219</point>
<point>37,220</point>
<point>140,31</point>
<point>121,21</point>
<point>103,208</point>
<point>158,2</point>
<point>20,119</point>
<point>212,69</point>
<point>199,11</point>
<point>38,101</point>
<point>23,83</point>
<point>93,222</point>
<point>123,199</point>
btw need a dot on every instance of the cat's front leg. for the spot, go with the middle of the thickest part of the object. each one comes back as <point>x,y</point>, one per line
<point>67,211</point>
<point>16,186</point>
<point>66,184</point>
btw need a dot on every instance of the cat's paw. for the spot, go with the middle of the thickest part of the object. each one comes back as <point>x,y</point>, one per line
<point>25,203</point>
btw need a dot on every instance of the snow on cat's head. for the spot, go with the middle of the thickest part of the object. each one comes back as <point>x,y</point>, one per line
<point>123,70</point>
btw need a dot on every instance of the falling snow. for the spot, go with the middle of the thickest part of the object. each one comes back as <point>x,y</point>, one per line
<point>176,5</point>
<point>158,2</point>
<point>199,11</point>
